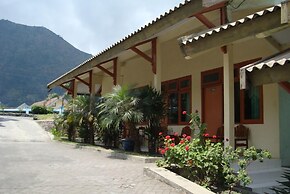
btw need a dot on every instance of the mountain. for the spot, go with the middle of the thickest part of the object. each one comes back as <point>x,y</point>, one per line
<point>30,57</point>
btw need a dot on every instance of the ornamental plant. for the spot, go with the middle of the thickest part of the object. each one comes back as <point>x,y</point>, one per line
<point>208,164</point>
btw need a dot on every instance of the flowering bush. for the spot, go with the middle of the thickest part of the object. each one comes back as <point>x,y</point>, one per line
<point>208,164</point>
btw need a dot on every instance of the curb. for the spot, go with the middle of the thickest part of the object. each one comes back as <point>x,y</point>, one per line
<point>114,154</point>
<point>175,180</point>
<point>107,152</point>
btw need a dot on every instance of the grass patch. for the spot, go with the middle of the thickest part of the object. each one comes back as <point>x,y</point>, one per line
<point>44,117</point>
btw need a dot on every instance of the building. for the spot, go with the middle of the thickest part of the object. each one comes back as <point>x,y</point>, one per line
<point>194,53</point>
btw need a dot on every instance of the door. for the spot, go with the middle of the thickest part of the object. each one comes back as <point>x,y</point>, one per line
<point>213,108</point>
<point>212,100</point>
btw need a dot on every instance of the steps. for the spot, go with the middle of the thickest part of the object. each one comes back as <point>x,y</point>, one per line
<point>265,175</point>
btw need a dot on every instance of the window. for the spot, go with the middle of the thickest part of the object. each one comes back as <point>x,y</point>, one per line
<point>248,102</point>
<point>177,94</point>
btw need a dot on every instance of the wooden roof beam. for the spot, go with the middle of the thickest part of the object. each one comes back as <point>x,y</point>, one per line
<point>112,74</point>
<point>83,81</point>
<point>152,58</point>
<point>205,21</point>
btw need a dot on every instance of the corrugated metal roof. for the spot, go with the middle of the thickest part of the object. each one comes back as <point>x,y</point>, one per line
<point>142,28</point>
<point>195,37</point>
<point>279,59</point>
<point>130,35</point>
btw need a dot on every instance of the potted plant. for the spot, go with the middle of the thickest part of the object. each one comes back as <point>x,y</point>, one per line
<point>119,109</point>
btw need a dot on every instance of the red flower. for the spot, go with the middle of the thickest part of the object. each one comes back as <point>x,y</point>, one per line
<point>160,133</point>
<point>162,151</point>
<point>172,139</point>
<point>188,138</point>
<point>184,112</point>
<point>181,142</point>
<point>167,137</point>
<point>184,135</point>
<point>206,135</point>
<point>187,148</point>
<point>172,145</point>
<point>214,136</point>
<point>175,134</point>
<point>167,148</point>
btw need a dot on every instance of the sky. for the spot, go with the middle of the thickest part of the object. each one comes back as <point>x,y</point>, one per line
<point>89,25</point>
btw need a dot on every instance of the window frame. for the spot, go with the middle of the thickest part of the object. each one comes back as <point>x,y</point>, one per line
<point>166,91</point>
<point>260,120</point>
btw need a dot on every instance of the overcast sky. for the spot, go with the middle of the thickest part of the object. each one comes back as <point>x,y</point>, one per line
<point>89,25</point>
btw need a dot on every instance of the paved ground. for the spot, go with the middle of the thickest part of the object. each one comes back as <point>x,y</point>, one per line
<point>31,163</point>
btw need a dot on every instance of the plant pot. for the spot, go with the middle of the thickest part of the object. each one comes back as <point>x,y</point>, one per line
<point>128,145</point>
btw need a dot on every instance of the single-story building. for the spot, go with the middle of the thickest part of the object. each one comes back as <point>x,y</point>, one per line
<point>194,54</point>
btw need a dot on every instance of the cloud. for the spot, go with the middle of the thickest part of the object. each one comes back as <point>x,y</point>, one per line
<point>89,25</point>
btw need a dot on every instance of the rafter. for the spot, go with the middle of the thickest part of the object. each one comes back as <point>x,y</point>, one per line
<point>152,58</point>
<point>64,87</point>
<point>211,8</point>
<point>112,74</point>
<point>83,81</point>
<point>205,21</point>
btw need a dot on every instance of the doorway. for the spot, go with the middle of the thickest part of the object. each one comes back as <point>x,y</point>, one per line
<point>212,99</point>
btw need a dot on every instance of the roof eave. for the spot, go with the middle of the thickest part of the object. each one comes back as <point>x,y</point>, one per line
<point>256,25</point>
<point>149,31</point>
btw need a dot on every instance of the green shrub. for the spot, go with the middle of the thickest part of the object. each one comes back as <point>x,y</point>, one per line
<point>39,110</point>
<point>57,133</point>
<point>209,164</point>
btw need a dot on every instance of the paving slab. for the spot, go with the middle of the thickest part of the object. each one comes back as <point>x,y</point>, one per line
<point>32,163</point>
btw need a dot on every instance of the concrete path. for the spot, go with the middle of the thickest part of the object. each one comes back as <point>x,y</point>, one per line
<point>31,163</point>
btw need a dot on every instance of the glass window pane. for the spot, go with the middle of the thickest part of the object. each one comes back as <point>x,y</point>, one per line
<point>185,106</point>
<point>173,108</point>
<point>172,86</point>
<point>184,84</point>
<point>163,87</point>
<point>213,77</point>
<point>252,103</point>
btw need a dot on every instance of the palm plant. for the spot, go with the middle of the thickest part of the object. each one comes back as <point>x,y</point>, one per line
<point>152,106</point>
<point>119,108</point>
<point>81,114</point>
<point>284,186</point>
<point>86,114</point>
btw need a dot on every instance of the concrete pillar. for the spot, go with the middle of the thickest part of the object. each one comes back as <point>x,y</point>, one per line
<point>93,83</point>
<point>75,88</point>
<point>157,76</point>
<point>229,113</point>
<point>119,75</point>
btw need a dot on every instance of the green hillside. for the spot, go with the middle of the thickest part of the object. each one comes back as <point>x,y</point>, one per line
<point>30,57</point>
